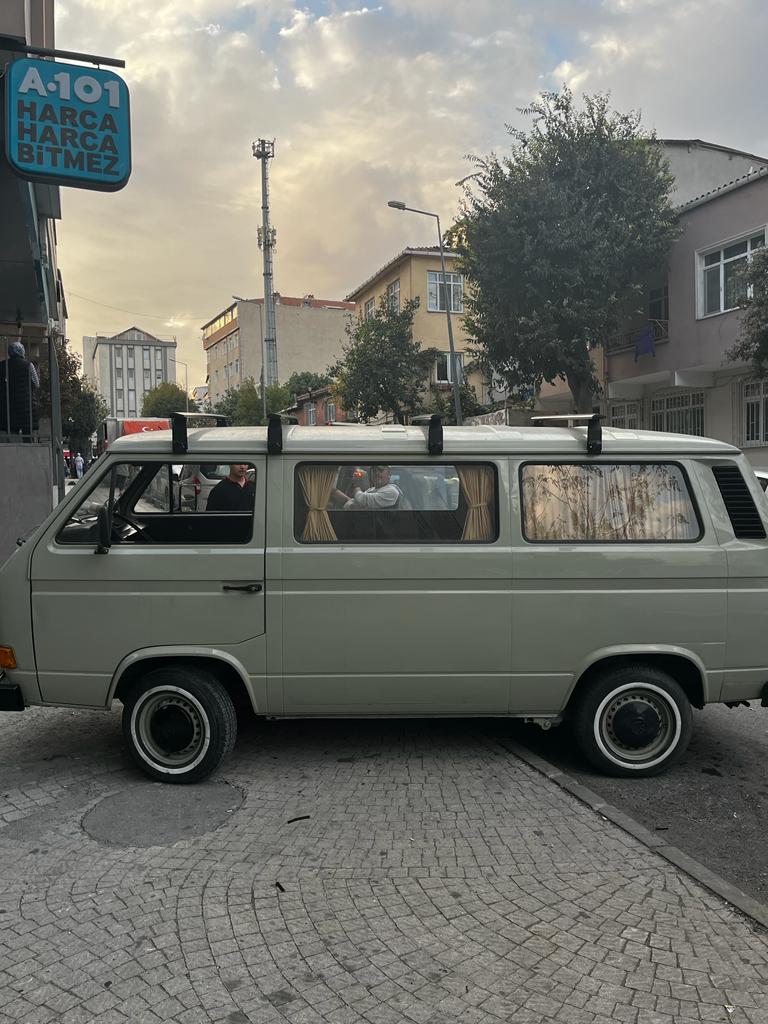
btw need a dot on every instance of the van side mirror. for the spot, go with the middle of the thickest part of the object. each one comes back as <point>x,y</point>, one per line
<point>104,531</point>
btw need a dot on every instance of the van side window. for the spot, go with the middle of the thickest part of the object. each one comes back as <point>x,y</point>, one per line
<point>619,502</point>
<point>167,503</point>
<point>384,503</point>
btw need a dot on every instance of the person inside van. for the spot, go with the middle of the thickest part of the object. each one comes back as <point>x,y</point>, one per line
<point>235,493</point>
<point>382,494</point>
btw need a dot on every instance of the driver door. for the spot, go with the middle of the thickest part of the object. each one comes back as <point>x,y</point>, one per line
<point>172,578</point>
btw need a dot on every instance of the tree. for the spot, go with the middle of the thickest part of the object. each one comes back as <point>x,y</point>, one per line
<point>438,400</point>
<point>82,407</point>
<point>752,346</point>
<point>301,383</point>
<point>383,368</point>
<point>227,405</point>
<point>557,239</point>
<point>165,399</point>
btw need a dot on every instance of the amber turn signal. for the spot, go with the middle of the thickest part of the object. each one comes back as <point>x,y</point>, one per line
<point>7,657</point>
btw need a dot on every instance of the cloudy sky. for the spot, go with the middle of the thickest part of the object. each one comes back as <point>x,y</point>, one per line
<point>366,104</point>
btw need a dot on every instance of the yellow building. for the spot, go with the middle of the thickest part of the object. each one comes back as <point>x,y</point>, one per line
<point>415,274</point>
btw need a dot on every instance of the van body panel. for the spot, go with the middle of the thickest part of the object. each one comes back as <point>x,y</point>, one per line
<point>396,628</point>
<point>570,598</point>
<point>15,625</point>
<point>252,652</point>
<point>90,611</point>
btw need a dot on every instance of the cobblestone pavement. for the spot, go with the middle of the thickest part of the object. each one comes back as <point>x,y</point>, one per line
<point>430,877</point>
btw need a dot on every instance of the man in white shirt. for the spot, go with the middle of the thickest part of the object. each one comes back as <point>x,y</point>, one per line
<point>382,494</point>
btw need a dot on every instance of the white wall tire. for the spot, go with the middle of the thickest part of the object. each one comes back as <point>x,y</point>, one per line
<point>179,723</point>
<point>632,721</point>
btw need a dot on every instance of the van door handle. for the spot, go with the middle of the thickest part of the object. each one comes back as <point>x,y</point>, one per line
<point>249,588</point>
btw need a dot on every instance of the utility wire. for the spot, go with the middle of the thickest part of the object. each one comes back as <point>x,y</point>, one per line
<point>133,312</point>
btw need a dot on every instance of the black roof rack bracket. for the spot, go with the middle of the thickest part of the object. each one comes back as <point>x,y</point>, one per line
<point>275,432</point>
<point>434,423</point>
<point>180,422</point>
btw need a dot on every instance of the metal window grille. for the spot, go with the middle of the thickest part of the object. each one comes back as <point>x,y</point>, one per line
<point>679,413</point>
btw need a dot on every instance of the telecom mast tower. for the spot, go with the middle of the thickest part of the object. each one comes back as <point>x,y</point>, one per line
<point>264,150</point>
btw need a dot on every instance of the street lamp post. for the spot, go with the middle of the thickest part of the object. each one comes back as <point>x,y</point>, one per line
<point>397,205</point>
<point>186,376</point>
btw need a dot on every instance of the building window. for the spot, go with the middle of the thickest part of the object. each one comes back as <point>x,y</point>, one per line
<point>393,295</point>
<point>626,416</point>
<point>436,292</point>
<point>330,412</point>
<point>369,309</point>
<point>679,413</point>
<point>158,359</point>
<point>755,413</point>
<point>721,283</point>
<point>146,357</point>
<point>607,503</point>
<point>119,376</point>
<point>131,355</point>
<point>118,356</point>
<point>311,414</point>
<point>658,303</point>
<point>132,377</point>
<point>158,377</point>
<point>443,373</point>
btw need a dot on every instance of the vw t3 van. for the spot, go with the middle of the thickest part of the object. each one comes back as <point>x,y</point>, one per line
<point>614,579</point>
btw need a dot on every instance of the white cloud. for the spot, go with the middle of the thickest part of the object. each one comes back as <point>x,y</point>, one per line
<point>367,104</point>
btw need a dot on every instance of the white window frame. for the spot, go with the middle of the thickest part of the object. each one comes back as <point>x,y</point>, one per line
<point>625,415</point>
<point>675,411</point>
<point>455,285</point>
<point>701,256</point>
<point>311,414</point>
<point>369,309</point>
<point>393,295</point>
<point>330,411</point>
<point>448,379</point>
<point>754,413</point>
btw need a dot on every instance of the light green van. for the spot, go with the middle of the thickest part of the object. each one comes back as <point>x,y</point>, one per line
<point>612,578</point>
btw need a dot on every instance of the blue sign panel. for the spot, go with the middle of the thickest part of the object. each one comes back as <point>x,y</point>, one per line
<point>67,125</point>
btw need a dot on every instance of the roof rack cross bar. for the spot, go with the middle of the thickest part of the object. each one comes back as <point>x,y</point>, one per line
<point>592,420</point>
<point>180,422</point>
<point>434,432</point>
<point>275,432</point>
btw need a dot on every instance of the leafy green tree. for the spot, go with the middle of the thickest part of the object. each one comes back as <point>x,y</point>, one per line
<point>82,407</point>
<point>558,238</point>
<point>301,383</point>
<point>165,399</point>
<point>227,404</point>
<point>752,346</point>
<point>440,401</point>
<point>383,368</point>
<point>244,405</point>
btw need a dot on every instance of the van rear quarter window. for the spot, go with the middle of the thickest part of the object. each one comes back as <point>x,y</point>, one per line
<point>607,502</point>
<point>386,503</point>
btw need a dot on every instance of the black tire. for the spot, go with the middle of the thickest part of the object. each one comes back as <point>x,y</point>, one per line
<point>179,723</point>
<point>632,721</point>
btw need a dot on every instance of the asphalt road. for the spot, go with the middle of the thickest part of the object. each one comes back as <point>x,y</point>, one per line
<point>713,805</point>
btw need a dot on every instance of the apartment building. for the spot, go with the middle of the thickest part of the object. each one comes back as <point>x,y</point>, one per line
<point>415,274</point>
<point>125,366</point>
<point>309,333</point>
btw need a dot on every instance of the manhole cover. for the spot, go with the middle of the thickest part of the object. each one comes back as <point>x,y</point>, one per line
<point>155,814</point>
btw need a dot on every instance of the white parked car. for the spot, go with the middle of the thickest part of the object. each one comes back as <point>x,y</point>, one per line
<point>762,476</point>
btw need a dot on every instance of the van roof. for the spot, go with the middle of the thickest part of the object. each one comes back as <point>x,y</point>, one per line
<point>411,441</point>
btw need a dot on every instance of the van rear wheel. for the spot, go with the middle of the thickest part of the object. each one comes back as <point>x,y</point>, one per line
<point>633,721</point>
<point>179,723</point>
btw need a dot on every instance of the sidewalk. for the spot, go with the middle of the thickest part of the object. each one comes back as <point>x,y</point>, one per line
<point>431,876</point>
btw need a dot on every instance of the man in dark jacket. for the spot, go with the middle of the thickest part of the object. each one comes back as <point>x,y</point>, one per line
<point>235,493</point>
<point>18,391</point>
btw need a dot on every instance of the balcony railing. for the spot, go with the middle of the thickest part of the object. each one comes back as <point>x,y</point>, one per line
<point>628,339</point>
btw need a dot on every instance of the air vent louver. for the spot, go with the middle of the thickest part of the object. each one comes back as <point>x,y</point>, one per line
<point>739,503</point>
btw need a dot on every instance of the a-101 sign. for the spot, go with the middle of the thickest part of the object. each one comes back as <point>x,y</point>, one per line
<point>67,125</point>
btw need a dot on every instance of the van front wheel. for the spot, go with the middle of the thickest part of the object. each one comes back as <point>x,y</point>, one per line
<point>632,721</point>
<point>179,724</point>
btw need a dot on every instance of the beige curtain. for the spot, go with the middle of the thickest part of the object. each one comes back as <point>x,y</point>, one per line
<point>628,502</point>
<point>477,488</point>
<point>317,483</point>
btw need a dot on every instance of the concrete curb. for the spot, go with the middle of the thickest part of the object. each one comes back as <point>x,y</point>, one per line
<point>756,911</point>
